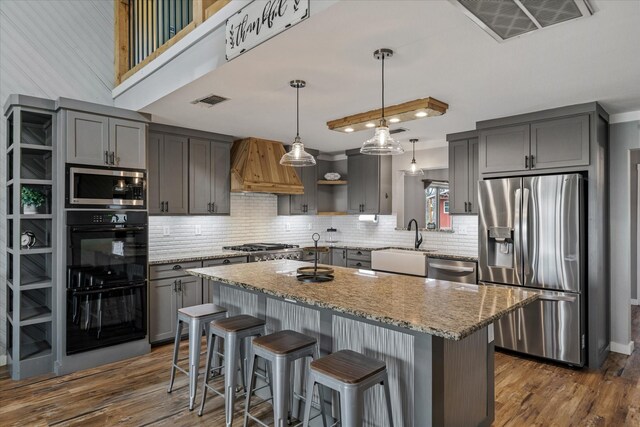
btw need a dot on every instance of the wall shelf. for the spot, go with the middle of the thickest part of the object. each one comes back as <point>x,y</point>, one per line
<point>331,182</point>
<point>331,213</point>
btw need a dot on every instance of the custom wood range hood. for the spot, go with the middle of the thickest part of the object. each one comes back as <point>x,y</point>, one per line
<point>256,168</point>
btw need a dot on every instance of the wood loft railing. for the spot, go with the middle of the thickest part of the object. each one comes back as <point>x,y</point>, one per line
<point>146,28</point>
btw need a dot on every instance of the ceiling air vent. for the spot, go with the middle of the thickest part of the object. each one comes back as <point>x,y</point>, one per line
<point>397,130</point>
<point>505,19</point>
<point>210,100</point>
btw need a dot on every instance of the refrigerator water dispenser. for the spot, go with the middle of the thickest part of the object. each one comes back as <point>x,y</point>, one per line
<point>500,247</point>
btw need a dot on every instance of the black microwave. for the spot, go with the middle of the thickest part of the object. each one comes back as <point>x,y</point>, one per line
<point>107,188</point>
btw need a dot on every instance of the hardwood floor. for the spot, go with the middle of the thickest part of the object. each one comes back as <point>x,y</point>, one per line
<point>133,393</point>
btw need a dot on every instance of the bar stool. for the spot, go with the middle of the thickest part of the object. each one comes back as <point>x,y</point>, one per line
<point>281,349</point>
<point>350,374</point>
<point>198,318</point>
<point>233,330</point>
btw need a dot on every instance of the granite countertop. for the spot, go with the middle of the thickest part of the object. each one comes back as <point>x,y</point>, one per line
<point>171,258</point>
<point>444,309</point>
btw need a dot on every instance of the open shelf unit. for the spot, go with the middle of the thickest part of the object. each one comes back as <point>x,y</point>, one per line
<point>31,267</point>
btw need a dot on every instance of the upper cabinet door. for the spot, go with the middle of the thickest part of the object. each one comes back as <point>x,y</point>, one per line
<point>221,175</point>
<point>127,142</point>
<point>87,139</point>
<point>474,175</point>
<point>459,176</point>
<point>560,143</point>
<point>355,189</point>
<point>310,182</point>
<point>371,183</point>
<point>174,174</point>
<point>200,185</point>
<point>504,149</point>
<point>154,155</point>
<point>297,201</point>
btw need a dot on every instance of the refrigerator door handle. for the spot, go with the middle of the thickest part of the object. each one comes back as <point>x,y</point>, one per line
<point>516,238</point>
<point>525,232</point>
<point>567,298</point>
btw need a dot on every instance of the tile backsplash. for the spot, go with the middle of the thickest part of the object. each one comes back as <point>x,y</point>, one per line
<point>254,218</point>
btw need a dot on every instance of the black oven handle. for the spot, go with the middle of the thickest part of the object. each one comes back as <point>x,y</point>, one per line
<point>129,228</point>
<point>104,290</point>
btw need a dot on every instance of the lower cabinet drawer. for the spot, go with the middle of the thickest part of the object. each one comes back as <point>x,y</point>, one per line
<point>353,254</point>
<point>224,261</point>
<point>165,271</point>
<point>355,263</point>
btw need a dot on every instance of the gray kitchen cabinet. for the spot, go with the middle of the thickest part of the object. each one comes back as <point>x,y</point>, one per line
<point>323,257</point>
<point>339,257</point>
<point>168,174</point>
<point>463,174</point>
<point>127,140</point>
<point>87,138</point>
<point>209,177</point>
<point>369,185</point>
<point>98,140</point>
<point>163,308</point>
<point>560,143</point>
<point>306,203</point>
<point>504,149</point>
<point>169,290</point>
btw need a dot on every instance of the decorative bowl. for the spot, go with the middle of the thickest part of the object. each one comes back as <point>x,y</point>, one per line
<point>332,176</point>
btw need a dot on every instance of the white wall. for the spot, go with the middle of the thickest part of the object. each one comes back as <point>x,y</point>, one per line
<point>51,49</point>
<point>624,135</point>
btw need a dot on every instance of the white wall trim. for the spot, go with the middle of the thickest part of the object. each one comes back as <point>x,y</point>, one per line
<point>626,349</point>
<point>629,116</point>
<point>3,360</point>
<point>635,302</point>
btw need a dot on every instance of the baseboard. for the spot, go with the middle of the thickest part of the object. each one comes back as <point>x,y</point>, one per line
<point>635,302</point>
<point>3,360</point>
<point>622,348</point>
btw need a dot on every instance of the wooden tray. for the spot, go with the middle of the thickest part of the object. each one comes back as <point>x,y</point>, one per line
<point>320,271</point>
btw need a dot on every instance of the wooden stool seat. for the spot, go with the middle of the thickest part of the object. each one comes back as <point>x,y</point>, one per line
<point>238,323</point>
<point>348,366</point>
<point>202,310</point>
<point>284,342</point>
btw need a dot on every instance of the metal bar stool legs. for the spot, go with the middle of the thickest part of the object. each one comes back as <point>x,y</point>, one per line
<point>197,319</point>
<point>234,330</point>
<point>280,350</point>
<point>350,374</point>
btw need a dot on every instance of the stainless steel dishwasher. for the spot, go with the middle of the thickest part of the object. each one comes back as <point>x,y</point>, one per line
<point>453,271</point>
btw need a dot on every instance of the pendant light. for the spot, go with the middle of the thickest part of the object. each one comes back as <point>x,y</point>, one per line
<point>297,156</point>
<point>382,143</point>
<point>414,170</point>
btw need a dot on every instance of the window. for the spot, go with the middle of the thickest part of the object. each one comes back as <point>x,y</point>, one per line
<point>437,206</point>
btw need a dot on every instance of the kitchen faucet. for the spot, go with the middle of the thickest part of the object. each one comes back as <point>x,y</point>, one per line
<point>418,241</point>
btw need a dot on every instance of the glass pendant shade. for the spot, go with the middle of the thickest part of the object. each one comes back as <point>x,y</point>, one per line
<point>297,157</point>
<point>414,170</point>
<point>382,143</point>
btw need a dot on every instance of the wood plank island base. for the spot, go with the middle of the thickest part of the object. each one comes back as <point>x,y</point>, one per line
<point>435,337</point>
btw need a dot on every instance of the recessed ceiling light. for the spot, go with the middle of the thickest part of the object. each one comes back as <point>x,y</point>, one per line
<point>370,125</point>
<point>394,120</point>
<point>421,114</point>
<point>348,130</point>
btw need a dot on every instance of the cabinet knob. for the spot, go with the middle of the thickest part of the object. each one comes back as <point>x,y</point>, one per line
<point>226,261</point>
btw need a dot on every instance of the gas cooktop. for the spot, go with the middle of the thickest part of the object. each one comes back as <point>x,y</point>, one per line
<point>260,247</point>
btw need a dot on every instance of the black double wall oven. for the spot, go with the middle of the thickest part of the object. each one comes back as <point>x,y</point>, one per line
<point>107,258</point>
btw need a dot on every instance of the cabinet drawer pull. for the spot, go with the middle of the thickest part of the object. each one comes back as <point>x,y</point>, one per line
<point>226,261</point>
<point>106,157</point>
<point>533,161</point>
<point>469,206</point>
<point>112,157</point>
<point>177,267</point>
<point>166,206</point>
<point>526,162</point>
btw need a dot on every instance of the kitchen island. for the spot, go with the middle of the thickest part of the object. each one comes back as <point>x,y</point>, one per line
<point>436,337</point>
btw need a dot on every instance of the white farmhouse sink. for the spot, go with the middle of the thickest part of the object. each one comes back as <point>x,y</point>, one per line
<point>400,261</point>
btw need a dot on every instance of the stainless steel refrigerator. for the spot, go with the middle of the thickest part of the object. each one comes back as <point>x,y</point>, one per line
<point>531,235</point>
